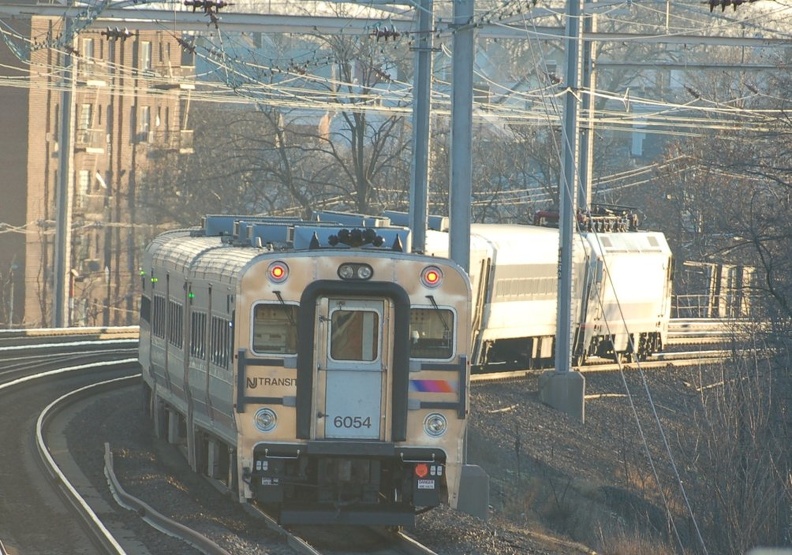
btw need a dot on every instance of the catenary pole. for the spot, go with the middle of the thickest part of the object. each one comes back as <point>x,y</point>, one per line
<point>63,198</point>
<point>563,389</point>
<point>422,95</point>
<point>461,130</point>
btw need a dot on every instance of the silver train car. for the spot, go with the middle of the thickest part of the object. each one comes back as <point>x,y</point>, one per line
<point>320,370</point>
<point>621,299</point>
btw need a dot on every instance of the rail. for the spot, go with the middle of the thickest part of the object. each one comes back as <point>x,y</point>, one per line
<point>690,331</point>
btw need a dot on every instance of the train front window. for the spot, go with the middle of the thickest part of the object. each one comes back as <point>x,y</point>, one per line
<point>275,328</point>
<point>354,335</point>
<point>431,333</point>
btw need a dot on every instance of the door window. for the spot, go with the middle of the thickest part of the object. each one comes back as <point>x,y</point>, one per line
<point>354,335</point>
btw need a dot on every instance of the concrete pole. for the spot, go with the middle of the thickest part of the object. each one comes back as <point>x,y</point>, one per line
<point>422,96</point>
<point>563,389</point>
<point>461,131</point>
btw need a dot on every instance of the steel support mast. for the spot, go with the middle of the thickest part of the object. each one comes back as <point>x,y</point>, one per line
<point>461,185</point>
<point>562,388</point>
<point>422,97</point>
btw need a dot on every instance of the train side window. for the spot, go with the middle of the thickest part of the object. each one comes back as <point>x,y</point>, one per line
<point>354,335</point>
<point>175,323</point>
<point>431,333</point>
<point>158,317</point>
<point>275,328</point>
<point>220,342</point>
<point>198,335</point>
<point>145,309</point>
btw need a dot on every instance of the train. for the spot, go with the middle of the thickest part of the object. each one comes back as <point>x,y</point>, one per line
<point>318,369</point>
<point>621,294</point>
<point>321,367</point>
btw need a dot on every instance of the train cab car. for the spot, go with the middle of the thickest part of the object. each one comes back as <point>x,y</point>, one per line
<point>621,293</point>
<point>317,368</point>
<point>628,295</point>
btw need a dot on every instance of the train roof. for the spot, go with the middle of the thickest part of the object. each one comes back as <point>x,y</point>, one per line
<point>224,245</point>
<point>630,242</point>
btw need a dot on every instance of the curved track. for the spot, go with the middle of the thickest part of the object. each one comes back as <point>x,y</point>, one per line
<point>44,393</point>
<point>39,509</point>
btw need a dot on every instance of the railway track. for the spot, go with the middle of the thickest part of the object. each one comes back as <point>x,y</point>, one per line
<point>703,331</point>
<point>83,502</point>
<point>346,540</point>
<point>26,510</point>
<point>302,541</point>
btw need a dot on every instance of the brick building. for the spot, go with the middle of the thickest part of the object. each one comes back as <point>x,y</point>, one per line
<point>129,101</point>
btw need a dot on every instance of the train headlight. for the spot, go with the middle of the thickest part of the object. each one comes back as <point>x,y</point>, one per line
<point>364,272</point>
<point>431,276</point>
<point>278,272</point>
<point>266,420</point>
<point>351,271</point>
<point>435,424</point>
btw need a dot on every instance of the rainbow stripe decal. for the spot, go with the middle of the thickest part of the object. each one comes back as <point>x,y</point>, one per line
<point>433,386</point>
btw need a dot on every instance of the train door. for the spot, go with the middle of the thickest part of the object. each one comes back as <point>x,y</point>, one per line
<point>351,366</point>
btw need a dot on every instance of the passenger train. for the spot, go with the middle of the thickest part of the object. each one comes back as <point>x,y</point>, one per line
<point>319,369</point>
<point>621,298</point>
<point>621,294</point>
<point>322,369</point>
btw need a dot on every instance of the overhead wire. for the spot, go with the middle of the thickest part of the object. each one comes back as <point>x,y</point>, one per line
<point>396,101</point>
<point>653,407</point>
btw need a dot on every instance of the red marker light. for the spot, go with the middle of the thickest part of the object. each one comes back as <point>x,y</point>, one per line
<point>431,276</point>
<point>278,272</point>
<point>421,470</point>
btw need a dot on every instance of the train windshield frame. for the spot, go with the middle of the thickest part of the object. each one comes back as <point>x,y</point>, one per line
<point>274,329</point>
<point>432,333</point>
<point>355,335</point>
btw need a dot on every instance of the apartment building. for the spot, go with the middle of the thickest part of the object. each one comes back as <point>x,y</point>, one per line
<point>129,100</point>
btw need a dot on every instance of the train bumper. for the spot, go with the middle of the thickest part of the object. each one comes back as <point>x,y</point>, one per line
<point>348,482</point>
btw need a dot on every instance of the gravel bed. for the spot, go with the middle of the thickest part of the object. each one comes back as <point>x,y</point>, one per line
<point>557,486</point>
<point>157,473</point>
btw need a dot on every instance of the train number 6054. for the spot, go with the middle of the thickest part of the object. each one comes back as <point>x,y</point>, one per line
<point>352,422</point>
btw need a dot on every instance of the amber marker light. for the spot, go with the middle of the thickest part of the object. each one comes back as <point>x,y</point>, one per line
<point>278,272</point>
<point>431,276</point>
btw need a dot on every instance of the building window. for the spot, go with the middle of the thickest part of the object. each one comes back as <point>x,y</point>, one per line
<point>86,56</point>
<point>83,182</point>
<point>145,55</point>
<point>144,123</point>
<point>87,48</point>
<point>86,116</point>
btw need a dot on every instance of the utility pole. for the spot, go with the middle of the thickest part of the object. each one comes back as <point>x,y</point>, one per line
<point>461,185</point>
<point>588,87</point>
<point>562,388</point>
<point>422,97</point>
<point>63,198</point>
